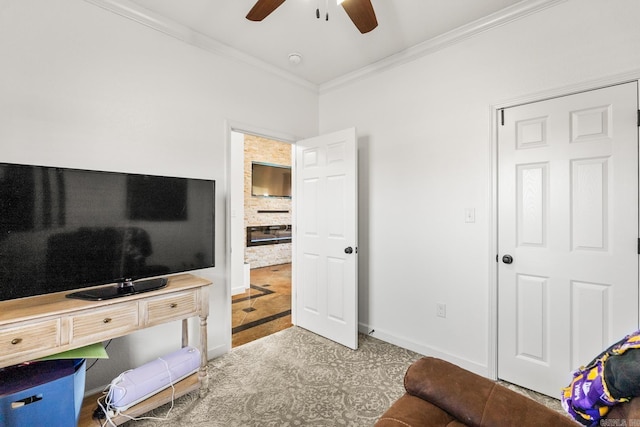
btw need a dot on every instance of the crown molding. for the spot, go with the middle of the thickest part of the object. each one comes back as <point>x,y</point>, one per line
<point>155,21</point>
<point>181,32</point>
<point>502,17</point>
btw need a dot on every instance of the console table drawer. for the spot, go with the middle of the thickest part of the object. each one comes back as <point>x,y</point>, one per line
<point>22,339</point>
<point>96,325</point>
<point>172,307</point>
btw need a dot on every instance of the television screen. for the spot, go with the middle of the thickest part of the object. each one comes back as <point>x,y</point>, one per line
<point>64,229</point>
<point>270,180</point>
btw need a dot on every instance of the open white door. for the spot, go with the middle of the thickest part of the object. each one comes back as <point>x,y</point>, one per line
<point>325,244</point>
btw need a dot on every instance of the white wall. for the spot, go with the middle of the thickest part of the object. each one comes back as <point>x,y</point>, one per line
<point>425,155</point>
<point>83,87</point>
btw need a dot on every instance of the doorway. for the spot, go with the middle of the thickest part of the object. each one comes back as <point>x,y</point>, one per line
<point>261,238</point>
<point>325,253</point>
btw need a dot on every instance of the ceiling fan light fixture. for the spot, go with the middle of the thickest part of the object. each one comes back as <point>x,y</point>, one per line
<point>360,12</point>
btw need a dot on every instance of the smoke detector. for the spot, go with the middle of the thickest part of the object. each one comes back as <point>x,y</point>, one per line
<point>295,58</point>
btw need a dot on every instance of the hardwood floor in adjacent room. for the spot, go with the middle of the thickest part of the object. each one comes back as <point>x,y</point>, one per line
<point>266,306</point>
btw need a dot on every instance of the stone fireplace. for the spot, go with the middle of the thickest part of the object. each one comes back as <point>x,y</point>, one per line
<point>267,219</point>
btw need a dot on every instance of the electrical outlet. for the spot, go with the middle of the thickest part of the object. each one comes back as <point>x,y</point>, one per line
<point>441,309</point>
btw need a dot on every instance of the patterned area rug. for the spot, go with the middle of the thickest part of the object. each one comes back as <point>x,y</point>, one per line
<point>295,378</point>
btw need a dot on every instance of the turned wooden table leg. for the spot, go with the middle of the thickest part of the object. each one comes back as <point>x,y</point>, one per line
<point>202,374</point>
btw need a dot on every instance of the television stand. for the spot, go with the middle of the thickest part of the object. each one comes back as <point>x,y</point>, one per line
<point>39,326</point>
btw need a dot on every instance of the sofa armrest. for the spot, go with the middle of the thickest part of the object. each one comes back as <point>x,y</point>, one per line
<point>411,411</point>
<point>475,400</point>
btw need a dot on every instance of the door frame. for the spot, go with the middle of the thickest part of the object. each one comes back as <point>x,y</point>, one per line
<point>632,76</point>
<point>233,126</point>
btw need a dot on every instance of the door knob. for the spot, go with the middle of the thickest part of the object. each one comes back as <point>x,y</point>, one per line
<point>507,259</point>
<point>348,250</point>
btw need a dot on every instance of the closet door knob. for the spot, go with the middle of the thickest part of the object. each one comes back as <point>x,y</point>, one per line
<point>507,259</point>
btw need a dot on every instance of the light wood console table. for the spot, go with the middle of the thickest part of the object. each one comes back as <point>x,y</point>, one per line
<point>34,327</point>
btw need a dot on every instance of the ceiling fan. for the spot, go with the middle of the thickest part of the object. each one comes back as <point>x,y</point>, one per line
<point>360,11</point>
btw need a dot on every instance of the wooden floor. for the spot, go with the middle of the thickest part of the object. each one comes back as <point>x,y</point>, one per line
<point>265,308</point>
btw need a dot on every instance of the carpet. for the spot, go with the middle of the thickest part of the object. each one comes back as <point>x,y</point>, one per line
<point>294,378</point>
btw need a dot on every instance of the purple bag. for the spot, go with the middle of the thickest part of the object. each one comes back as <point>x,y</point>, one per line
<point>588,398</point>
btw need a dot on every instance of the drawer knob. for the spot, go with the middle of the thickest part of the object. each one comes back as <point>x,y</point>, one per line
<point>173,305</point>
<point>16,341</point>
<point>107,320</point>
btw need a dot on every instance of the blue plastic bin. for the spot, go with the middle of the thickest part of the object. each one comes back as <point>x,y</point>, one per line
<point>42,393</point>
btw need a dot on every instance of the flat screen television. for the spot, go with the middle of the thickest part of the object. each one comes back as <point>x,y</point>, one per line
<point>68,229</point>
<point>269,180</point>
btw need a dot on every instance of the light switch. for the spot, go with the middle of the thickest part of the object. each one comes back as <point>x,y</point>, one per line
<point>469,215</point>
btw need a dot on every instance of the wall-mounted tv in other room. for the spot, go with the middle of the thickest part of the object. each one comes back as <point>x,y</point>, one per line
<point>68,229</point>
<point>269,180</point>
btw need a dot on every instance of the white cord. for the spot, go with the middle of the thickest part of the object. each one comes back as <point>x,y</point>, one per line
<point>111,412</point>
<point>108,409</point>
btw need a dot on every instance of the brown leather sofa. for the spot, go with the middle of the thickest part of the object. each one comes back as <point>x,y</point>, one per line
<point>439,393</point>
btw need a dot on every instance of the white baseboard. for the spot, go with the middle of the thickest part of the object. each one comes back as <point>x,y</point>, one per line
<point>217,351</point>
<point>238,290</point>
<point>93,391</point>
<point>423,349</point>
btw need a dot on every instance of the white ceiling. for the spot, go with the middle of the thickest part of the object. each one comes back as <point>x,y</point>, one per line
<point>330,49</point>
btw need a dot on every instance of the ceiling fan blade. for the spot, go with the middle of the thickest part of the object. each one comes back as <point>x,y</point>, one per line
<point>361,13</point>
<point>262,9</point>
